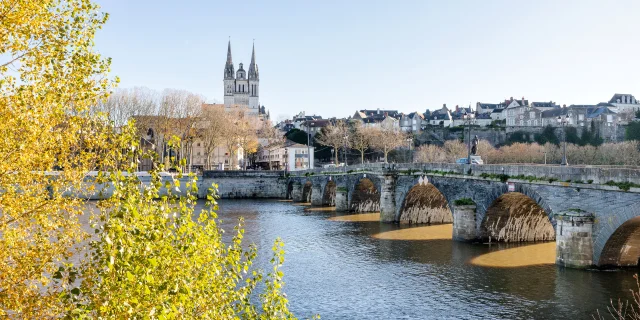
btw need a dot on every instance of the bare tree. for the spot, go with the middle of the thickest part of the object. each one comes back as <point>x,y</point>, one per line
<point>430,153</point>
<point>336,136</point>
<point>211,130</point>
<point>248,127</point>
<point>386,139</point>
<point>361,138</point>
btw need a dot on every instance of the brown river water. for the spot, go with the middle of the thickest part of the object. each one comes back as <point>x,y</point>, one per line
<point>351,266</point>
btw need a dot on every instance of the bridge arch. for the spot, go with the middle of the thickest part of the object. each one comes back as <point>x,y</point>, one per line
<point>364,195</point>
<point>289,194</point>
<point>518,216</point>
<point>424,203</point>
<point>329,194</point>
<point>307,189</point>
<point>622,245</point>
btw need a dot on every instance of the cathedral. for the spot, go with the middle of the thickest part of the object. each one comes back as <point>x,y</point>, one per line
<point>241,88</point>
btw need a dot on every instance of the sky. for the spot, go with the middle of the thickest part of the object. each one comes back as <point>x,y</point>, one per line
<point>335,57</point>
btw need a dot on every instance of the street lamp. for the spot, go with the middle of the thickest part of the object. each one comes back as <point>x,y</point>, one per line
<point>468,119</point>
<point>410,140</point>
<point>344,154</point>
<point>333,151</point>
<point>564,121</point>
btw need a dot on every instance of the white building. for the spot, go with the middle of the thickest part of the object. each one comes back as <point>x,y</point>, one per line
<point>292,156</point>
<point>242,89</point>
<point>624,103</point>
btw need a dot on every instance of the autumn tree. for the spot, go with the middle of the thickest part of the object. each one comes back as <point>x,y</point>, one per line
<point>430,153</point>
<point>212,129</point>
<point>361,138</point>
<point>148,257</point>
<point>386,138</point>
<point>335,135</point>
<point>49,77</point>
<point>125,104</point>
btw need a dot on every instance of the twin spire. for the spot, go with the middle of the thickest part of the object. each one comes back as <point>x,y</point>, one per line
<point>253,67</point>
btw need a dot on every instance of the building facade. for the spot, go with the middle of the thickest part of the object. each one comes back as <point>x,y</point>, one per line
<point>242,88</point>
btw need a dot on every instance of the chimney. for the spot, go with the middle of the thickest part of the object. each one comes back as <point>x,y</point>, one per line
<point>378,110</point>
<point>564,105</point>
<point>444,105</point>
<point>457,108</point>
<point>511,99</point>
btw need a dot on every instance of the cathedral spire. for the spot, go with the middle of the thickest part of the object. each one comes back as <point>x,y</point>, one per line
<point>253,67</point>
<point>228,67</point>
<point>229,60</point>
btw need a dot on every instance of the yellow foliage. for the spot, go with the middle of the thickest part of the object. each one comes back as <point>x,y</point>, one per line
<point>145,258</point>
<point>49,76</point>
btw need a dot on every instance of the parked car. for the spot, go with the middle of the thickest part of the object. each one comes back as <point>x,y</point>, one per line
<point>474,160</point>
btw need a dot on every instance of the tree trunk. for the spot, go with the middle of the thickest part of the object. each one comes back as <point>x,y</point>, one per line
<point>190,157</point>
<point>336,154</point>
<point>385,155</point>
<point>362,156</point>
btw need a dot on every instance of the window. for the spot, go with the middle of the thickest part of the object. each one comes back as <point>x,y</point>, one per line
<point>581,117</point>
<point>609,118</point>
<point>532,114</point>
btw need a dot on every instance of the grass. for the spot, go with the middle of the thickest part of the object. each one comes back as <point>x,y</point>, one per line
<point>464,202</point>
<point>622,185</point>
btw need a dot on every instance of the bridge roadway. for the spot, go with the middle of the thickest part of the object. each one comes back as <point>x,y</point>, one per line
<point>592,212</point>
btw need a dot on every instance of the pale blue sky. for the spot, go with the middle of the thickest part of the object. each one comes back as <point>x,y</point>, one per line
<point>334,57</point>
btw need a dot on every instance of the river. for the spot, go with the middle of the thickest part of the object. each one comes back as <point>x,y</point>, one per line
<point>353,267</point>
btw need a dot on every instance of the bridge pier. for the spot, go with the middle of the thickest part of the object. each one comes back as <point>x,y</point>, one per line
<point>296,193</point>
<point>574,239</point>
<point>464,223</point>
<point>342,201</point>
<point>316,195</point>
<point>388,198</point>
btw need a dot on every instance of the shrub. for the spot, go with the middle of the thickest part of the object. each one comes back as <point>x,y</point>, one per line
<point>464,202</point>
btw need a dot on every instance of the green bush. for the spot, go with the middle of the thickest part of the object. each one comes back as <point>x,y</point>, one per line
<point>464,202</point>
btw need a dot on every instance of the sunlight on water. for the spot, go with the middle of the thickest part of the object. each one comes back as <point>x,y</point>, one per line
<point>285,200</point>
<point>535,254</point>
<point>360,217</point>
<point>302,204</point>
<point>436,232</point>
<point>320,209</point>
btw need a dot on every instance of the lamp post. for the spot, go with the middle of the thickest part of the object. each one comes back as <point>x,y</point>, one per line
<point>332,153</point>
<point>468,118</point>
<point>564,121</point>
<point>410,140</point>
<point>344,154</point>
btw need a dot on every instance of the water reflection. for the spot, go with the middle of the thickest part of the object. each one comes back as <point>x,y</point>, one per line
<point>519,256</point>
<point>359,217</point>
<point>365,269</point>
<point>435,232</point>
<point>320,209</point>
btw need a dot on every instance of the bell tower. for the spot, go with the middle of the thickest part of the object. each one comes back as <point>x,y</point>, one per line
<point>229,80</point>
<point>254,83</point>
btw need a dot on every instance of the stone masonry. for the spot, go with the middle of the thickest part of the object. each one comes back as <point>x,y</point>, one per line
<point>534,201</point>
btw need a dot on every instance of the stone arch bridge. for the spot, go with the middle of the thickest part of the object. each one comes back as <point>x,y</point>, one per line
<point>593,213</point>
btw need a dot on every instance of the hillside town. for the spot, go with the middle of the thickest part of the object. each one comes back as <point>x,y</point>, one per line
<point>239,133</point>
<point>521,116</point>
